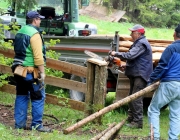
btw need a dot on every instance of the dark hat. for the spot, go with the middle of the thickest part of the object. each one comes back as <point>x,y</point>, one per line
<point>138,28</point>
<point>34,14</point>
<point>177,29</point>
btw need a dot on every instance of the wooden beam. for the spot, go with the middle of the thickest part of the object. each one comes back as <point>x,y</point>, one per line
<point>5,69</point>
<point>66,67</point>
<point>55,64</point>
<point>65,102</point>
<point>50,99</point>
<point>65,83</point>
<point>50,80</point>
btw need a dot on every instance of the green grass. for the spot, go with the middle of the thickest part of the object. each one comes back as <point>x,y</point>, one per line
<point>69,117</point>
<point>109,28</point>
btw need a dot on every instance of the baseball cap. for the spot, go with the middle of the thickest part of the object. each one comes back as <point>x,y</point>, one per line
<point>139,28</point>
<point>34,14</point>
<point>177,29</point>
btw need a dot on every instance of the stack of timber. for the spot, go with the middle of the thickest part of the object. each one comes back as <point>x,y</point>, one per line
<point>157,45</point>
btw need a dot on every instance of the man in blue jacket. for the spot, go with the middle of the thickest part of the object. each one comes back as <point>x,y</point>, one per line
<point>138,69</point>
<point>168,72</point>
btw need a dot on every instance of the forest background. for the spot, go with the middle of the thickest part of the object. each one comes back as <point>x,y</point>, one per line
<point>153,13</point>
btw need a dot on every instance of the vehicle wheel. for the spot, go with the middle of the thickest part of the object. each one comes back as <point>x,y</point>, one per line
<point>76,95</point>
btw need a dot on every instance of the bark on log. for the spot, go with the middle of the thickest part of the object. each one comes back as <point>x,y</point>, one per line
<point>111,132</point>
<point>111,107</point>
<point>103,132</point>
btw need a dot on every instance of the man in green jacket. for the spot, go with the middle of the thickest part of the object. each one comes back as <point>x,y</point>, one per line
<point>29,73</point>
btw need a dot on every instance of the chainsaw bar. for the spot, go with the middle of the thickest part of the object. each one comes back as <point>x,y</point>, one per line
<point>93,55</point>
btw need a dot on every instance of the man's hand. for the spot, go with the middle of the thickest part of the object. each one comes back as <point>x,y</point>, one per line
<point>41,77</point>
<point>113,53</point>
<point>122,68</point>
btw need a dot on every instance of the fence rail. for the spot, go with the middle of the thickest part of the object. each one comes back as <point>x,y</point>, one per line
<point>96,83</point>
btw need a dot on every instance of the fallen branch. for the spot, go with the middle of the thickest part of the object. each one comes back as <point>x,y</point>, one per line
<point>111,132</point>
<point>103,132</point>
<point>51,116</point>
<point>112,107</point>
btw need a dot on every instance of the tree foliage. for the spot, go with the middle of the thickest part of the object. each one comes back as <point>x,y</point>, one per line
<point>148,12</point>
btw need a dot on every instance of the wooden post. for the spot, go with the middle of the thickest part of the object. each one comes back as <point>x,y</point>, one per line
<point>96,85</point>
<point>99,89</point>
<point>90,88</point>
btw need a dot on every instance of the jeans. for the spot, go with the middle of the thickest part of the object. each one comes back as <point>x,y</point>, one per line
<point>167,93</point>
<point>27,90</point>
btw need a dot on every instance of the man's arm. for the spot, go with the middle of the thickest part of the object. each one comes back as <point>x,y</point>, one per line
<point>131,54</point>
<point>161,67</point>
<point>36,44</point>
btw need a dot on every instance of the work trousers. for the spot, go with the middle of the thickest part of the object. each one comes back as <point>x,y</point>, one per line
<point>167,93</point>
<point>136,106</point>
<point>29,89</point>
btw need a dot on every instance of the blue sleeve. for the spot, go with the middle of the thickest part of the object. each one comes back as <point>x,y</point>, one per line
<point>132,53</point>
<point>162,66</point>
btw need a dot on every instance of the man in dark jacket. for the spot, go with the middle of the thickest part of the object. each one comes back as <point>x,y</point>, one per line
<point>168,92</point>
<point>138,69</point>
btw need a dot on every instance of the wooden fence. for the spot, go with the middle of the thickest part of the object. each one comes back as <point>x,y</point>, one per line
<point>94,88</point>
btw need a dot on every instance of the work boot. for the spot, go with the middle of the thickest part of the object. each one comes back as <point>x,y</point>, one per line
<point>44,129</point>
<point>135,125</point>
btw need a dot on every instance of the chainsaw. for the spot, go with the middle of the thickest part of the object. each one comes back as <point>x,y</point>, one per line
<point>113,62</point>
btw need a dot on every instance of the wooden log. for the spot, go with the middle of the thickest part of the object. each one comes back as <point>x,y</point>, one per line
<point>111,107</point>
<point>103,132</point>
<point>160,41</point>
<point>158,49</point>
<point>129,38</point>
<point>112,131</point>
<point>125,37</point>
<point>123,49</point>
<point>125,43</point>
<point>159,44</point>
<point>156,56</point>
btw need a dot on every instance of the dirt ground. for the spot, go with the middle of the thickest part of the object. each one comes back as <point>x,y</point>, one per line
<point>7,118</point>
